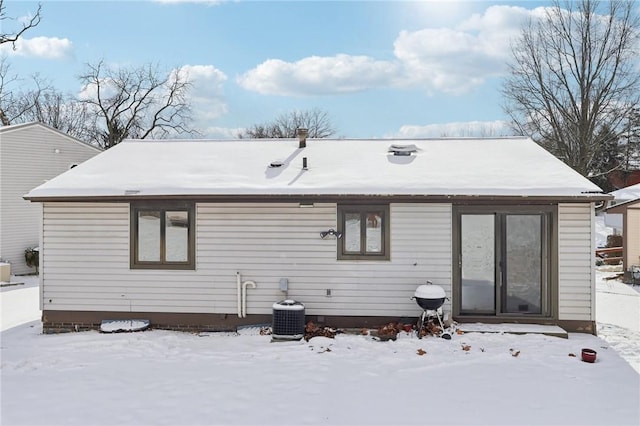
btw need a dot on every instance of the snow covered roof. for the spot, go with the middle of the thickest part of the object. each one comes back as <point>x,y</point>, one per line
<point>624,197</point>
<point>438,167</point>
<point>20,126</point>
<point>627,193</point>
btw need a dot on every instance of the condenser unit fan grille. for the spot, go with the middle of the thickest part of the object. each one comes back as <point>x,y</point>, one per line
<point>288,320</point>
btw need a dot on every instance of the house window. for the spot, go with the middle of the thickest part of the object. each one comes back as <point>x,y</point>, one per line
<point>162,236</point>
<point>365,232</point>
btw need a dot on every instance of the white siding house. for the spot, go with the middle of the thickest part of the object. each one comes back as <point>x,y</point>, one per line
<point>30,154</point>
<point>630,212</point>
<point>576,245</point>
<point>165,230</point>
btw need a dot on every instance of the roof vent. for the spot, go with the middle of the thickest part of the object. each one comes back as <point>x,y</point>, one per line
<point>302,136</point>
<point>276,163</point>
<point>403,149</point>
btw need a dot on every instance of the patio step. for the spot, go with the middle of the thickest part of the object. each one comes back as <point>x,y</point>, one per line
<point>548,330</point>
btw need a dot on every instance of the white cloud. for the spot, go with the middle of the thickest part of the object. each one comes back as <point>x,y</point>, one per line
<point>90,91</point>
<point>449,60</point>
<point>441,60</point>
<point>40,47</point>
<point>213,132</point>
<point>456,129</point>
<point>317,75</point>
<point>455,60</point>
<point>206,94</point>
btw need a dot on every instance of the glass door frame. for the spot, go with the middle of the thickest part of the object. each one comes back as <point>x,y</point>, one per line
<point>549,302</point>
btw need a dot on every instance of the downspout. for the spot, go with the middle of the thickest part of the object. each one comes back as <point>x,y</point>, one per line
<point>592,269</point>
<point>239,293</point>
<point>244,296</point>
<point>241,289</point>
<point>41,270</point>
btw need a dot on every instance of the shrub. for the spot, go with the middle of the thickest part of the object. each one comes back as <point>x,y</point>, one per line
<point>32,257</point>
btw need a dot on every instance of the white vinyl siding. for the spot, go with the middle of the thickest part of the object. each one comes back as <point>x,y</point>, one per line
<point>576,245</point>
<point>632,242</point>
<point>27,160</point>
<point>86,261</point>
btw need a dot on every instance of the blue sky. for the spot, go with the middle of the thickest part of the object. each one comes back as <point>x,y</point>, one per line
<point>378,68</point>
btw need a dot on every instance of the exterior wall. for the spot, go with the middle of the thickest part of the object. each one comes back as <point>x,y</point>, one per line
<point>85,261</point>
<point>632,236</point>
<point>27,159</point>
<point>576,248</point>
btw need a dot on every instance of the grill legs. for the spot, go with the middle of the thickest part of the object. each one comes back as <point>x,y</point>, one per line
<point>422,319</point>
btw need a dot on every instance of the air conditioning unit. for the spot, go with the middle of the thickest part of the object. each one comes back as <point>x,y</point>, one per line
<point>288,320</point>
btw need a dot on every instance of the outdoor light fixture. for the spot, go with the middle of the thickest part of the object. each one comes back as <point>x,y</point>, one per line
<point>333,232</point>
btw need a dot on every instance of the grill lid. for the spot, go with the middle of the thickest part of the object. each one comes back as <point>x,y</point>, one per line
<point>430,291</point>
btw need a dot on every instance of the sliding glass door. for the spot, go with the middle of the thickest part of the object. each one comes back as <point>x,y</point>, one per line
<point>522,261</point>
<point>503,262</point>
<point>478,263</point>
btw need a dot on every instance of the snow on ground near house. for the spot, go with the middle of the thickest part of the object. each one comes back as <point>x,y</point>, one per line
<point>617,303</point>
<point>170,378</point>
<point>618,315</point>
<point>602,230</point>
<point>22,304</point>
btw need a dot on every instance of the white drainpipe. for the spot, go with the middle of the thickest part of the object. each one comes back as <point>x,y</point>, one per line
<point>241,288</point>
<point>244,296</point>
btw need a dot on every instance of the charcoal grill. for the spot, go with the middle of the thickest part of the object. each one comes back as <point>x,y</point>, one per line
<point>430,298</point>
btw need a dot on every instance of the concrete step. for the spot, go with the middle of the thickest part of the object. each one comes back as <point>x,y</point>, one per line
<point>548,330</point>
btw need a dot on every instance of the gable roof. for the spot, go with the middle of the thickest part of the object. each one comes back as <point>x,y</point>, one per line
<point>18,127</point>
<point>492,167</point>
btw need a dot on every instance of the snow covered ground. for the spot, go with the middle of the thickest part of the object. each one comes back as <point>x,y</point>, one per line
<point>618,316</point>
<point>172,378</point>
<point>18,307</point>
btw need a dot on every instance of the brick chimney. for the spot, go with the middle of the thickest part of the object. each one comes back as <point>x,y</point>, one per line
<point>302,136</point>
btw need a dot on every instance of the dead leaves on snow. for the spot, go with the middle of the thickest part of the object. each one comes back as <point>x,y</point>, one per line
<point>421,351</point>
<point>430,328</point>
<point>514,352</point>
<point>389,331</point>
<point>312,330</point>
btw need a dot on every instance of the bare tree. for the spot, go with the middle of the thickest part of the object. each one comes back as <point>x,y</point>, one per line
<point>574,78</point>
<point>629,146</point>
<point>53,108</point>
<point>316,121</point>
<point>136,102</point>
<point>41,103</point>
<point>13,35</point>
<point>6,95</point>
